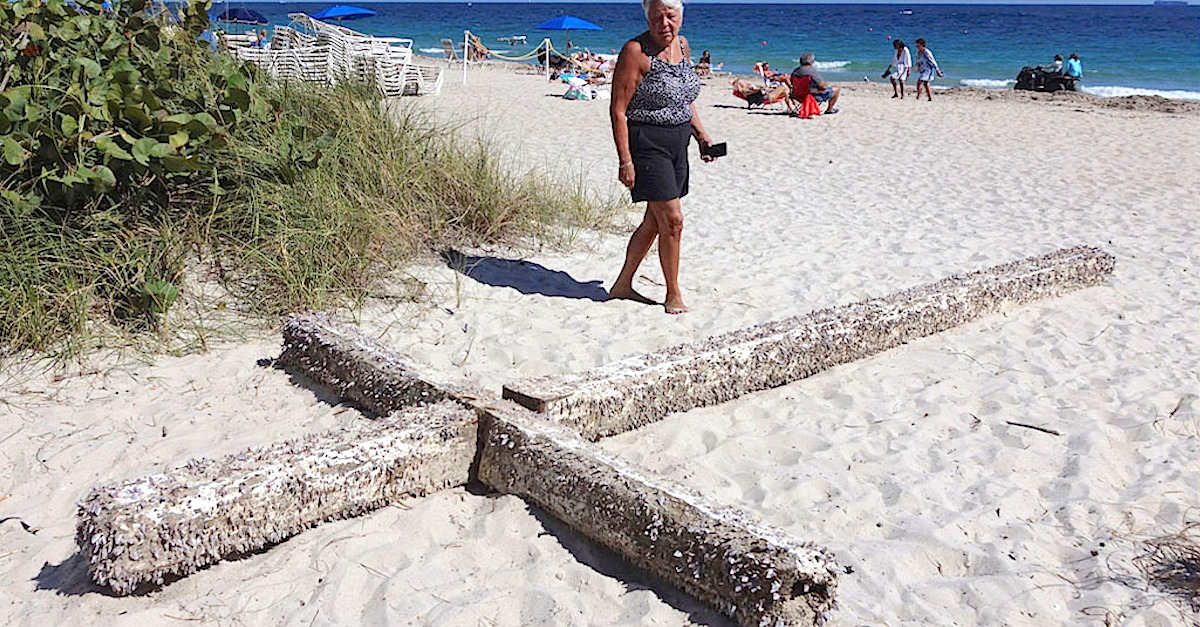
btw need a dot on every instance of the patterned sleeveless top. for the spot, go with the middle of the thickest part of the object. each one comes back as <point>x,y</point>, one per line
<point>664,96</point>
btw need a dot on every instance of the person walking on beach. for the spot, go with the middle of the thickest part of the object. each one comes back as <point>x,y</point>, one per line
<point>927,68</point>
<point>901,64</point>
<point>653,120</point>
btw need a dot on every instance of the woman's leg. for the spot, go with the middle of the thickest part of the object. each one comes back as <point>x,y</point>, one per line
<point>894,94</point>
<point>669,216</point>
<point>635,251</point>
<point>901,81</point>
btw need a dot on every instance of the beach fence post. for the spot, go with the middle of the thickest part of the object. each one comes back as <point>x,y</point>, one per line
<point>546,47</point>
<point>466,54</point>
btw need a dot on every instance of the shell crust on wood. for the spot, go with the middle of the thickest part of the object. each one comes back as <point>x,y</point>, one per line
<point>750,571</point>
<point>174,523</point>
<point>638,390</point>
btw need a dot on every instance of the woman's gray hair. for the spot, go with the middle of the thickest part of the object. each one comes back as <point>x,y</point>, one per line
<point>670,4</point>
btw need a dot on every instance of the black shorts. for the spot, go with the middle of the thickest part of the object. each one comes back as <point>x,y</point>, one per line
<point>660,160</point>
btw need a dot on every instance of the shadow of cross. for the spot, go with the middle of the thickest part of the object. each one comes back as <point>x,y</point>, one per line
<point>430,436</point>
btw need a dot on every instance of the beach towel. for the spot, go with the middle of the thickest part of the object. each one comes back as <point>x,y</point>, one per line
<point>808,107</point>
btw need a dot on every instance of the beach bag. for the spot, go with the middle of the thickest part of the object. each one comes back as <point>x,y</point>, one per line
<point>580,90</point>
<point>578,93</point>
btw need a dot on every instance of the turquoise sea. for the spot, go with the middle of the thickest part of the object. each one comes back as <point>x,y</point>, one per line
<point>1125,50</point>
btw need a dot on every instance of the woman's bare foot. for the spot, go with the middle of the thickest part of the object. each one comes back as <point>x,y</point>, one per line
<point>675,306</point>
<point>628,294</point>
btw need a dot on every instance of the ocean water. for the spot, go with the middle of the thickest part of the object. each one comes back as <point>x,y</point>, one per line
<point>1125,49</point>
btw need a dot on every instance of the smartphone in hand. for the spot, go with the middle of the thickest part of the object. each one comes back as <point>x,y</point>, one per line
<point>714,150</point>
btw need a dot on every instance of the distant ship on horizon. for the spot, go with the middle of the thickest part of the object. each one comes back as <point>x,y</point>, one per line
<point>1170,3</point>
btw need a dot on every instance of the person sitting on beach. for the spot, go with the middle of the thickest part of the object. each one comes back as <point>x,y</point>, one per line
<point>557,63</point>
<point>820,91</point>
<point>762,69</point>
<point>757,95</point>
<point>477,52</point>
<point>927,68</point>
<point>704,66</point>
<point>252,39</point>
<point>594,63</point>
<point>1073,67</point>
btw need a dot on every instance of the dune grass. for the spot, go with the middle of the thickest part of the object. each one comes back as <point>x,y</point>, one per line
<point>381,188</point>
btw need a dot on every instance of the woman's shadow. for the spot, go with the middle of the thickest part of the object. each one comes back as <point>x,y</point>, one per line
<point>524,276</point>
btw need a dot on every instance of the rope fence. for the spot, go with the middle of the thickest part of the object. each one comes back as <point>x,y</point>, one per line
<point>471,40</point>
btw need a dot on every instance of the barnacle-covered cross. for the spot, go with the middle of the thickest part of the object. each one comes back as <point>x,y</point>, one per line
<point>535,442</point>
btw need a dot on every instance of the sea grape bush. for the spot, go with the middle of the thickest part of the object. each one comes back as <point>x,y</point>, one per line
<point>99,108</point>
<point>118,126</point>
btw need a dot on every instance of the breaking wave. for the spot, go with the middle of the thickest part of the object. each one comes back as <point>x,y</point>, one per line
<point>829,65</point>
<point>987,83</point>
<point>1106,91</point>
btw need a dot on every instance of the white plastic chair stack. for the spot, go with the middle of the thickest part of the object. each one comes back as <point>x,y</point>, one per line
<point>334,54</point>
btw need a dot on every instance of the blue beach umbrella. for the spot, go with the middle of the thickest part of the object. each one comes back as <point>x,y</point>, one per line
<point>341,12</point>
<point>567,23</point>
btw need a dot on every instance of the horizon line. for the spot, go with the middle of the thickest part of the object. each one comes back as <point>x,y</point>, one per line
<point>1040,3</point>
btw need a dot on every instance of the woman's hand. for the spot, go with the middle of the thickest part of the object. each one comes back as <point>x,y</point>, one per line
<point>705,141</point>
<point>625,174</point>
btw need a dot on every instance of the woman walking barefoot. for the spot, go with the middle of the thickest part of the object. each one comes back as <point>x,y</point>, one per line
<point>927,68</point>
<point>653,120</point>
<point>901,64</point>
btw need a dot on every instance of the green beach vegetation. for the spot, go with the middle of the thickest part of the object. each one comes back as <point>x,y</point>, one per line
<point>137,164</point>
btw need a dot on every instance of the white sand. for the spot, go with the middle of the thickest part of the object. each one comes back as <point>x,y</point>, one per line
<point>902,464</point>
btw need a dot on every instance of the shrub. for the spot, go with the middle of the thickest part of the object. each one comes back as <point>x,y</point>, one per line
<point>130,152</point>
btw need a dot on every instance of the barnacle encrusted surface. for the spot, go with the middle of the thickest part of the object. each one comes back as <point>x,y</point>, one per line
<point>750,571</point>
<point>174,523</point>
<point>357,367</point>
<point>632,392</point>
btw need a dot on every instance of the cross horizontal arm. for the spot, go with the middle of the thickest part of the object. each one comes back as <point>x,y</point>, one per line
<point>632,392</point>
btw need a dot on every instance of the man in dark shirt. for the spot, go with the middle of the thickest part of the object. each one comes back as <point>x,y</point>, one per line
<point>816,84</point>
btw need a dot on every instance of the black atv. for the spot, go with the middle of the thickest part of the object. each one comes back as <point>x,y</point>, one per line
<point>1038,79</point>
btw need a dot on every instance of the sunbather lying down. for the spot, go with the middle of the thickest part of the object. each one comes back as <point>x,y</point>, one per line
<point>758,95</point>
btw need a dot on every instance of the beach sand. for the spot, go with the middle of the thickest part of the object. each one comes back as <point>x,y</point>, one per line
<point>904,465</point>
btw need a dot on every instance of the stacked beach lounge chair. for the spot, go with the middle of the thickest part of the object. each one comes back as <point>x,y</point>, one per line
<point>314,51</point>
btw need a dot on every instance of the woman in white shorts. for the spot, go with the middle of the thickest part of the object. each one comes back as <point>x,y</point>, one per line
<point>901,64</point>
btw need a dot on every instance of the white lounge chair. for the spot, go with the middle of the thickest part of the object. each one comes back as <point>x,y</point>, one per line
<point>332,54</point>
